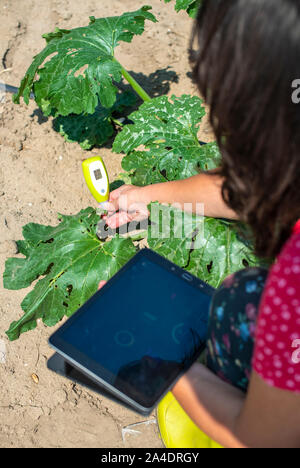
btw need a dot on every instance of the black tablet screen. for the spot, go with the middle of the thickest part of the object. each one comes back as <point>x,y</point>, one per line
<point>143,330</point>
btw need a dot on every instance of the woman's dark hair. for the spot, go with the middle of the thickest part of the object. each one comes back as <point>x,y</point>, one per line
<point>247,57</point>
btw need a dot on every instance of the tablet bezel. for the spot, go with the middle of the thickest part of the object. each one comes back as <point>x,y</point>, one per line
<point>88,366</point>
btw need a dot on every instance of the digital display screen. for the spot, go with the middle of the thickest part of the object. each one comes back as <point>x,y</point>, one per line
<point>142,331</point>
<point>98,174</point>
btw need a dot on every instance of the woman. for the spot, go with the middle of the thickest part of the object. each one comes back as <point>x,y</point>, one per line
<point>246,60</point>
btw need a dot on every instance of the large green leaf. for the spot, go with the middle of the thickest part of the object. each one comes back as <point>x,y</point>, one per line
<point>190,6</point>
<point>168,130</point>
<point>220,252</point>
<point>96,129</point>
<point>77,68</point>
<point>209,248</point>
<point>69,260</point>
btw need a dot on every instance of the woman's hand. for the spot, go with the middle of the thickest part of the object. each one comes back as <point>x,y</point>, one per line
<point>126,204</point>
<point>196,194</point>
<point>267,417</point>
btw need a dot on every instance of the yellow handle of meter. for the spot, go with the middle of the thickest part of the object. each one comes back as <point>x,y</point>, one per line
<point>96,178</point>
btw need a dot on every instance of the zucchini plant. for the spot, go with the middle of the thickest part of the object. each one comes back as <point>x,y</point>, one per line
<point>77,74</point>
<point>190,6</point>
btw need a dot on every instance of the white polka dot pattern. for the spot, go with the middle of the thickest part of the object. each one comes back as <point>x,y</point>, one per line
<point>277,349</point>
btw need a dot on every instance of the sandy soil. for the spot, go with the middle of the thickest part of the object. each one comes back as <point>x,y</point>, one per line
<point>51,411</point>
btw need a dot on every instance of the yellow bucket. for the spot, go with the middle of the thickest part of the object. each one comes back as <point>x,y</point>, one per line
<point>177,429</point>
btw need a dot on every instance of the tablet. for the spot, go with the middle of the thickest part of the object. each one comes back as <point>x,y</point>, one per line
<point>141,332</point>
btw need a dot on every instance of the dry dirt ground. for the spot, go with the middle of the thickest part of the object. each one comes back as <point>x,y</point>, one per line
<point>40,175</point>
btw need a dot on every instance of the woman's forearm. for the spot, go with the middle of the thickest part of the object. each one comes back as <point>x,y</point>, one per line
<point>212,404</point>
<point>200,194</point>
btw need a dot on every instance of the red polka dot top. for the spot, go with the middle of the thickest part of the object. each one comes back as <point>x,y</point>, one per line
<point>277,346</point>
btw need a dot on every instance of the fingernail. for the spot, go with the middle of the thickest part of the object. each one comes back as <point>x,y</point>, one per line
<point>104,205</point>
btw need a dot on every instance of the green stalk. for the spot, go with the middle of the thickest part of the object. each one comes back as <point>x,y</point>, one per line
<point>137,88</point>
<point>117,122</point>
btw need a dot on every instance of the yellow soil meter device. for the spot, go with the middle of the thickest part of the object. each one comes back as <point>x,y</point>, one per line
<point>96,177</point>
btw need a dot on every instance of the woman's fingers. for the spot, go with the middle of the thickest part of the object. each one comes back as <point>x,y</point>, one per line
<point>101,284</point>
<point>122,207</point>
<point>109,206</point>
<point>139,213</point>
<point>116,193</point>
<point>112,205</point>
<point>118,219</point>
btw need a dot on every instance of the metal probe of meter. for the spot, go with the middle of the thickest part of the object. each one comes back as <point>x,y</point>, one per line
<point>96,178</point>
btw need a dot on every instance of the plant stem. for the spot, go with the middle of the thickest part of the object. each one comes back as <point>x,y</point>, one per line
<point>137,88</point>
<point>117,122</point>
<point>140,236</point>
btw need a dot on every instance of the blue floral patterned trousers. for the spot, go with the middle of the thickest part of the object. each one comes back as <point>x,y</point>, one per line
<point>232,324</point>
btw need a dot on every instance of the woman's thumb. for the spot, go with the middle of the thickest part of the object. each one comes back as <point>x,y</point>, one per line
<point>101,284</point>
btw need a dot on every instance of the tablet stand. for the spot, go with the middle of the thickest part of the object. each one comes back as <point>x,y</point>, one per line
<point>61,367</point>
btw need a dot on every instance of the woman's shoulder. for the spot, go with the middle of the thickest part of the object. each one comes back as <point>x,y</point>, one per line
<point>284,276</point>
<point>288,262</point>
<point>282,289</point>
